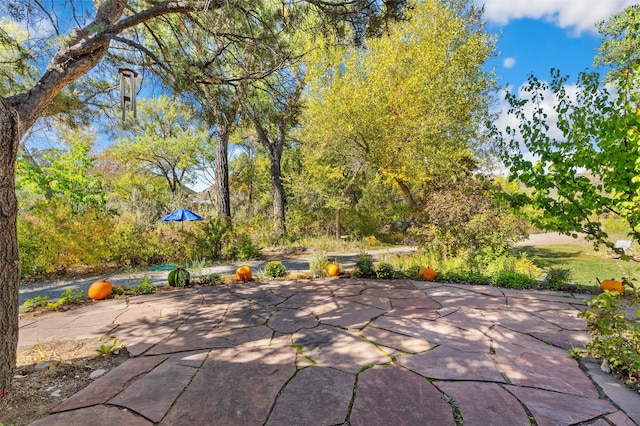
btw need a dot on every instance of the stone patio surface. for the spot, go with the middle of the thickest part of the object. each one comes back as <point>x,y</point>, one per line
<point>340,352</point>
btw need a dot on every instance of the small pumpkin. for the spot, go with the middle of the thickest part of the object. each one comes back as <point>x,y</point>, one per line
<point>427,273</point>
<point>100,290</point>
<point>333,270</point>
<point>243,274</point>
<point>612,285</point>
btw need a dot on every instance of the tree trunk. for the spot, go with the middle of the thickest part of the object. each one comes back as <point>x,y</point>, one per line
<point>278,199</point>
<point>9,255</point>
<point>223,202</point>
<point>407,194</point>
<point>274,152</point>
<point>338,215</point>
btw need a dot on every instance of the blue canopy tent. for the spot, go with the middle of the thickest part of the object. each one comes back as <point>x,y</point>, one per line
<point>181,215</point>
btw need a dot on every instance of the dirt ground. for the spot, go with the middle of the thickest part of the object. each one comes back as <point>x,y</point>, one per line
<point>38,386</point>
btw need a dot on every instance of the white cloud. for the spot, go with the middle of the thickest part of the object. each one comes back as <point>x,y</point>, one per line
<point>579,15</point>
<point>509,62</point>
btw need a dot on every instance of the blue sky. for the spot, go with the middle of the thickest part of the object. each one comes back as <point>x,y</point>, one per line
<point>538,35</point>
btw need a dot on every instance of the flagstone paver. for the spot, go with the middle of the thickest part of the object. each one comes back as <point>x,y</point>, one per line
<point>448,363</point>
<point>111,383</point>
<point>153,394</point>
<point>554,408</point>
<point>495,407</point>
<point>332,347</point>
<point>391,395</point>
<point>95,416</point>
<point>397,341</point>
<point>339,351</point>
<point>290,320</point>
<point>234,388</point>
<point>314,396</point>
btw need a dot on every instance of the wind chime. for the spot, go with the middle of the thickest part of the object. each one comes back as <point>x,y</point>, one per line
<point>127,90</point>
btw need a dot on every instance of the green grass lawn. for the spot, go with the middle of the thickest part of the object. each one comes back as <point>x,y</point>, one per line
<point>585,264</point>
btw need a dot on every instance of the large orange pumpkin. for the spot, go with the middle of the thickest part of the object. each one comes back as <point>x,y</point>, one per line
<point>612,285</point>
<point>100,290</point>
<point>333,270</point>
<point>244,274</point>
<point>427,273</point>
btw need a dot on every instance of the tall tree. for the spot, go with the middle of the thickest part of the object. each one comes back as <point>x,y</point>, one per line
<point>591,169</point>
<point>76,52</point>
<point>408,104</point>
<point>274,107</point>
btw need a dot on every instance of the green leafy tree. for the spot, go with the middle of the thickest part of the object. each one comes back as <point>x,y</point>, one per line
<point>165,141</point>
<point>587,164</point>
<point>64,174</point>
<point>408,104</point>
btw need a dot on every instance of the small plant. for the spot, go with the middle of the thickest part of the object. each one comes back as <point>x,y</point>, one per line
<point>575,353</point>
<point>413,273</point>
<point>557,278</point>
<point>35,303</point>
<point>71,295</point>
<point>145,286</point>
<point>615,337</point>
<point>275,269</point>
<point>513,280</point>
<point>371,240</point>
<point>385,271</point>
<point>318,265</point>
<point>110,348</point>
<point>365,265</point>
<point>213,278</point>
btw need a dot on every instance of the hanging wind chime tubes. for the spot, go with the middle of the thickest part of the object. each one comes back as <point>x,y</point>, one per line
<point>127,90</point>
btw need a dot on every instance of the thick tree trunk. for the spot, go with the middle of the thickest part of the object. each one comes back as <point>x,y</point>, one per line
<point>223,203</point>
<point>9,256</point>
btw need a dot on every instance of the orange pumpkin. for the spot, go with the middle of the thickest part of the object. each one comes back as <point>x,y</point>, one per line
<point>243,274</point>
<point>427,273</point>
<point>100,290</point>
<point>333,270</point>
<point>612,285</point>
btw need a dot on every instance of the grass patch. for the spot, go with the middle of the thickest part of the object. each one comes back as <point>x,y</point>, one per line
<point>585,263</point>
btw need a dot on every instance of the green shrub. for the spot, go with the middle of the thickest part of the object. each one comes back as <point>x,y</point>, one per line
<point>364,266</point>
<point>413,273</point>
<point>71,295</point>
<point>145,287</point>
<point>275,269</point>
<point>557,278</point>
<point>318,265</point>
<point>34,303</point>
<point>450,277</point>
<point>463,277</point>
<point>385,271</point>
<point>512,279</point>
<point>615,337</point>
<point>247,248</point>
